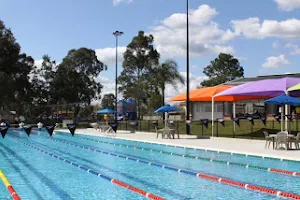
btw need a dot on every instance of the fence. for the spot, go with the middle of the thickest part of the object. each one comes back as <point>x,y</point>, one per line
<point>245,129</point>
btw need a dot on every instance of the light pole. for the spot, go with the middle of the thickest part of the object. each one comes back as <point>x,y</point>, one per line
<point>187,70</point>
<point>117,34</point>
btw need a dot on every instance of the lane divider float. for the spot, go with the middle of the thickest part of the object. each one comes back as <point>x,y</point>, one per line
<point>273,170</point>
<point>190,172</point>
<point>91,171</point>
<point>189,148</point>
<point>9,187</point>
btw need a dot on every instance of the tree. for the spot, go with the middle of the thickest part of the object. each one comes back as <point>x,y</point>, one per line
<point>139,59</point>
<point>42,80</point>
<point>167,73</point>
<point>14,73</point>
<point>108,101</point>
<point>222,69</point>
<point>75,78</point>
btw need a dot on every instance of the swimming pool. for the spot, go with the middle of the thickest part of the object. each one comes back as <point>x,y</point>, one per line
<point>65,167</point>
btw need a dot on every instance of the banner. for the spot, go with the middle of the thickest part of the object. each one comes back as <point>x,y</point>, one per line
<point>290,118</point>
<point>27,129</point>
<point>251,120</point>
<point>50,129</point>
<point>278,118</point>
<point>222,121</point>
<point>237,121</point>
<point>72,128</point>
<point>115,127</point>
<point>264,120</point>
<point>205,122</point>
<point>3,131</point>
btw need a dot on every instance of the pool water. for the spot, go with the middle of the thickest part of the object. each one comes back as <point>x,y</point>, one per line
<point>36,175</point>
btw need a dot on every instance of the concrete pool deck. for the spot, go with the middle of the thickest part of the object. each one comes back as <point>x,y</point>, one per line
<point>232,145</point>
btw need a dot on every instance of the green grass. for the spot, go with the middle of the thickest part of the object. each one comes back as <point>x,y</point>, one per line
<point>245,130</point>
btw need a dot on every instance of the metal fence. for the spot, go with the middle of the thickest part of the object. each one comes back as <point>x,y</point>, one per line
<point>245,129</point>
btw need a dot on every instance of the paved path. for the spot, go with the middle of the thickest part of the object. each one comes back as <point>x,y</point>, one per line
<point>244,146</point>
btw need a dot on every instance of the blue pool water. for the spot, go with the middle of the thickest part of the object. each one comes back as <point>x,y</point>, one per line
<point>35,175</point>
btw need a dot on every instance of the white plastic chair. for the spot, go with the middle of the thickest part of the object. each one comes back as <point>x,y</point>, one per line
<point>282,139</point>
<point>269,139</point>
<point>296,141</point>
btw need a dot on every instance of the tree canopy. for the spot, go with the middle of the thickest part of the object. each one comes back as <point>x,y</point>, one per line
<point>108,101</point>
<point>224,68</point>
<point>139,59</point>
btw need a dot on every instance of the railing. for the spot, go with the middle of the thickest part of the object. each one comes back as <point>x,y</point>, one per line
<point>245,129</point>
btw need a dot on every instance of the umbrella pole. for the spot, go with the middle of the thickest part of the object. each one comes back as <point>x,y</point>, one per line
<point>234,115</point>
<point>281,118</point>
<point>212,116</point>
<point>166,118</point>
<point>286,113</point>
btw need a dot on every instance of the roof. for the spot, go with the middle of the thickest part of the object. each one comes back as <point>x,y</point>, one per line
<point>250,79</point>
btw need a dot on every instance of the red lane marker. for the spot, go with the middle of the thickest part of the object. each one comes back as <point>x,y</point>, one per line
<point>137,190</point>
<point>13,193</point>
<point>281,171</point>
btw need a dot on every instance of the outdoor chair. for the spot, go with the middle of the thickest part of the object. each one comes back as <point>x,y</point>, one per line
<point>134,126</point>
<point>159,131</point>
<point>175,129</point>
<point>282,139</point>
<point>296,141</point>
<point>95,125</point>
<point>269,139</point>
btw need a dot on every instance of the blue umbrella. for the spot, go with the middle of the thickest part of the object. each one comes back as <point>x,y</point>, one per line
<point>283,100</point>
<point>106,111</point>
<point>166,108</point>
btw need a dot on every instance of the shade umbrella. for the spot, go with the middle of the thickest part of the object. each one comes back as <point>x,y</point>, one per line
<point>166,109</point>
<point>283,100</point>
<point>106,111</point>
<point>294,88</point>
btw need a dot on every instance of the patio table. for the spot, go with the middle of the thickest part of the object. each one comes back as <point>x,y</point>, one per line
<point>274,136</point>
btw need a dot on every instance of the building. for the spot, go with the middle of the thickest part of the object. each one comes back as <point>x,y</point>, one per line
<point>202,110</point>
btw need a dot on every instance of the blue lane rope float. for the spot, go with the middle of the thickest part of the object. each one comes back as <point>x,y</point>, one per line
<point>199,149</point>
<point>190,172</point>
<point>247,166</point>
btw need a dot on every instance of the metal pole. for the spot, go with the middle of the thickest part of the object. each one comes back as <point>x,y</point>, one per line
<point>187,70</point>
<point>116,34</point>
<point>116,87</point>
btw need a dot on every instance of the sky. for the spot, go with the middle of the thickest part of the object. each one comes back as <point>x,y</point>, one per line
<point>263,34</point>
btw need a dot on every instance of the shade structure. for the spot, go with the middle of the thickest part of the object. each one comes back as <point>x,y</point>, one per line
<point>165,109</point>
<point>294,88</point>
<point>262,88</point>
<point>207,94</point>
<point>106,111</point>
<point>283,100</point>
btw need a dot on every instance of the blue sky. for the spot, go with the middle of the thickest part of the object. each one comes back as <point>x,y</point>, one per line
<point>264,35</point>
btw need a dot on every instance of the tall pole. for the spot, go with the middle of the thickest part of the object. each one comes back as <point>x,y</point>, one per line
<point>116,34</point>
<point>187,70</point>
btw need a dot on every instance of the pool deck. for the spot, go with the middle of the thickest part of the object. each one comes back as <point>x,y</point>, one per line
<point>232,145</point>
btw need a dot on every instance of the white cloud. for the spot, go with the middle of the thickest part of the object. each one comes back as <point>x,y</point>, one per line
<point>116,2</point>
<point>205,35</point>
<point>108,55</point>
<point>275,62</point>
<point>181,88</point>
<point>253,28</point>
<point>295,48</point>
<point>288,5</point>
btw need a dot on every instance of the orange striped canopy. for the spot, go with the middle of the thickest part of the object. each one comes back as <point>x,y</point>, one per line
<point>207,93</point>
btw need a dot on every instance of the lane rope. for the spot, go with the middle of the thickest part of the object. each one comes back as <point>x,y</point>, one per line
<point>91,171</point>
<point>267,169</point>
<point>9,187</point>
<point>190,172</point>
<point>189,148</point>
